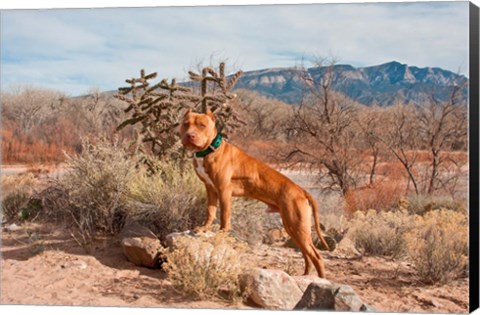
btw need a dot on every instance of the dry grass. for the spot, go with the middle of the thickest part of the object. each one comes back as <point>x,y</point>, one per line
<point>169,201</point>
<point>206,267</point>
<point>421,204</point>
<point>380,233</point>
<point>16,193</point>
<point>96,183</point>
<point>438,245</point>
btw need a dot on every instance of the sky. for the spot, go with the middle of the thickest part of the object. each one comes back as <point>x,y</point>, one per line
<point>75,50</point>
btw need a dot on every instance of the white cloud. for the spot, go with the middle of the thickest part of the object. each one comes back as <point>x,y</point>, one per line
<point>73,50</point>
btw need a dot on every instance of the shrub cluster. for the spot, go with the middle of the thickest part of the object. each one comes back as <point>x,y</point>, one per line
<point>206,267</point>
<point>380,233</point>
<point>438,245</point>
<point>16,193</point>
<point>102,188</point>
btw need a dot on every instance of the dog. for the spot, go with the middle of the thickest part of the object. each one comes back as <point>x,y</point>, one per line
<point>227,171</point>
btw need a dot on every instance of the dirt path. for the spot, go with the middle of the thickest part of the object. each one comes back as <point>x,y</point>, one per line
<point>41,265</point>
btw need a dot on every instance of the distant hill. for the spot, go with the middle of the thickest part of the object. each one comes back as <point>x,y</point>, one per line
<point>382,84</point>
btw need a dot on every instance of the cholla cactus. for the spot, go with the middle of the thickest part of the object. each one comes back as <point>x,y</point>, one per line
<point>157,109</point>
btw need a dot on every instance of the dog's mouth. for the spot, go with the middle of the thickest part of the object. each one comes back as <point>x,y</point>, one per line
<point>191,145</point>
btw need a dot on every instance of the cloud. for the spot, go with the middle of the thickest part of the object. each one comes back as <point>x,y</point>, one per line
<point>75,49</point>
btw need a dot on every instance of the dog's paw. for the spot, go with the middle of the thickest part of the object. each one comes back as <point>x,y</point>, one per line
<point>201,229</point>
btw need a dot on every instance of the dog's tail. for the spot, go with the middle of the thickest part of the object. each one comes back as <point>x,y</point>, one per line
<point>316,219</point>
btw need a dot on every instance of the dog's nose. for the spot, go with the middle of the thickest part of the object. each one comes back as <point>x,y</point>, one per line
<point>191,136</point>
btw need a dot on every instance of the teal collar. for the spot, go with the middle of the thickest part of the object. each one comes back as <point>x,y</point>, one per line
<point>211,148</point>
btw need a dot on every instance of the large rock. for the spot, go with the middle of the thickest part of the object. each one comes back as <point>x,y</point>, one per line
<point>304,281</point>
<point>317,296</point>
<point>271,289</point>
<point>346,299</point>
<point>323,295</point>
<point>141,246</point>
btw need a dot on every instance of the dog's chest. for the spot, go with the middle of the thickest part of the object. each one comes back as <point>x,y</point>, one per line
<point>201,171</point>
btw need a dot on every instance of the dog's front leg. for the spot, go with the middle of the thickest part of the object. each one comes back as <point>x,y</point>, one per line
<point>212,200</point>
<point>225,207</point>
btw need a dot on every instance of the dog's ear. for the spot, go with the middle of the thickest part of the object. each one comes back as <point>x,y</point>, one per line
<point>188,111</point>
<point>211,115</point>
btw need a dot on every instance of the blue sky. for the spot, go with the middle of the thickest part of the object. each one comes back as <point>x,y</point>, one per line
<point>73,50</point>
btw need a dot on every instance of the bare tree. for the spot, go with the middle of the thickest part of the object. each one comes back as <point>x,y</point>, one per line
<point>440,125</point>
<point>369,122</point>
<point>401,138</point>
<point>323,131</point>
<point>30,106</point>
<point>101,111</point>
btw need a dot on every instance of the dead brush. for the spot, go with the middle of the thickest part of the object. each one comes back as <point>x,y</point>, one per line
<point>206,267</point>
<point>438,245</point>
<point>383,195</point>
<point>96,183</point>
<point>380,233</point>
<point>167,201</point>
<point>16,194</point>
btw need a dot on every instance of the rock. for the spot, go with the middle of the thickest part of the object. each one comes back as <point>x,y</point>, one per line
<point>347,248</point>
<point>332,244</point>
<point>367,308</point>
<point>12,228</point>
<point>304,281</point>
<point>337,236</point>
<point>171,238</point>
<point>346,299</point>
<point>317,296</point>
<point>275,236</point>
<point>141,246</point>
<point>270,289</point>
<point>80,264</point>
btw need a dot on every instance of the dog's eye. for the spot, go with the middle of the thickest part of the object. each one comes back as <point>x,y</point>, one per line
<point>202,126</point>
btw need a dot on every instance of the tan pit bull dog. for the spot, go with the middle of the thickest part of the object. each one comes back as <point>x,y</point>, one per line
<point>227,171</point>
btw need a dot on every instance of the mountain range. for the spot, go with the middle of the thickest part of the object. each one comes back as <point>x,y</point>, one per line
<point>381,85</point>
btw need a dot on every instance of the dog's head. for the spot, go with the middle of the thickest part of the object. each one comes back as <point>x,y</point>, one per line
<point>197,131</point>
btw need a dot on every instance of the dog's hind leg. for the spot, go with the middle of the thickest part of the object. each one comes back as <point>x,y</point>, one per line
<point>308,262</point>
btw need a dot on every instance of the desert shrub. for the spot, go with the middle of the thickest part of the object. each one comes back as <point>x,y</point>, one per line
<point>171,200</point>
<point>421,204</point>
<point>16,193</point>
<point>26,183</point>
<point>12,204</point>
<point>438,245</point>
<point>381,196</point>
<point>380,233</point>
<point>96,182</point>
<point>206,267</point>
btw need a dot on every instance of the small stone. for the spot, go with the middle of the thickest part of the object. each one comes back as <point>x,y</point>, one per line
<point>12,227</point>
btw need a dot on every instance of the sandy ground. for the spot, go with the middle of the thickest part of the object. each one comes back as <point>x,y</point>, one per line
<point>41,264</point>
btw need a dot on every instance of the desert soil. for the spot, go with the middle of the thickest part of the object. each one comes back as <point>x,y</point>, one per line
<point>42,264</point>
